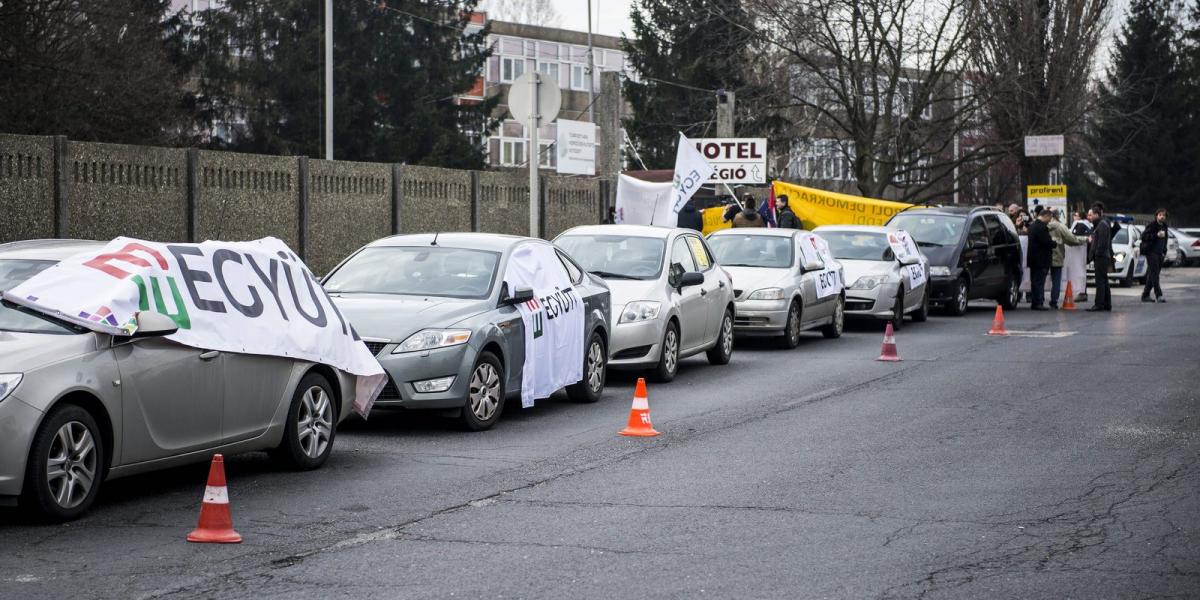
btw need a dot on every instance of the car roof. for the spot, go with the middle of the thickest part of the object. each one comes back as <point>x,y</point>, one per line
<point>880,229</point>
<point>763,231</point>
<point>494,242</point>
<point>49,249</point>
<point>650,231</point>
<point>957,211</point>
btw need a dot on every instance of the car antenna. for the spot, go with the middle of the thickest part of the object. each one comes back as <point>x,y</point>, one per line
<point>434,242</point>
<point>921,203</point>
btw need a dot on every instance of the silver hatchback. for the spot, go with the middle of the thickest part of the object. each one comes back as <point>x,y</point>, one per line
<point>79,407</point>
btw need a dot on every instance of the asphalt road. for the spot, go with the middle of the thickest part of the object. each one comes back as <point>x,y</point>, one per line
<point>1021,467</point>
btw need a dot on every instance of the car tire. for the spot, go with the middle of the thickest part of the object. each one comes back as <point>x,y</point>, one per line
<point>722,353</point>
<point>958,304</point>
<point>834,330</point>
<point>310,427</point>
<point>595,361</point>
<point>922,314</point>
<point>485,394</point>
<point>791,329</point>
<point>68,438</point>
<point>668,358</point>
<point>1012,294</point>
<point>897,319</point>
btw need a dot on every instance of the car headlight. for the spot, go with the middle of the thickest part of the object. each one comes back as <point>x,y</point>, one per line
<point>869,282</point>
<point>8,383</point>
<point>1120,257</point>
<point>766,294</point>
<point>939,271</point>
<point>429,339</point>
<point>642,310</point>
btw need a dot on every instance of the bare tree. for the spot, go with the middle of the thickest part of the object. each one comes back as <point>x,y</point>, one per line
<point>887,80</point>
<point>530,12</point>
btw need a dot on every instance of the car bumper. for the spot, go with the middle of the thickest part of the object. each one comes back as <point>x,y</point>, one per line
<point>18,422</point>
<point>942,289</point>
<point>760,316</point>
<point>404,370</point>
<point>636,345</point>
<point>877,303</point>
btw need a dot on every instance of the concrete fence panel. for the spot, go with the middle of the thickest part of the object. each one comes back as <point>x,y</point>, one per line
<point>349,204</point>
<point>119,190</point>
<point>434,199</point>
<point>26,187</point>
<point>504,203</point>
<point>570,202</point>
<point>248,196</point>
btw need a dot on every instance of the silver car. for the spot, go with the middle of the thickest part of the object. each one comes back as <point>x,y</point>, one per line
<point>876,284</point>
<point>79,407</point>
<point>776,289</point>
<point>673,298</point>
<point>436,312</point>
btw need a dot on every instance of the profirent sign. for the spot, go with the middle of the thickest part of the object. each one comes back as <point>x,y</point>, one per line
<point>1048,196</point>
<point>735,160</point>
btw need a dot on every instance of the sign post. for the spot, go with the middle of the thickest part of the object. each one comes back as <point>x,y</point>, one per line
<point>735,160</point>
<point>534,102</point>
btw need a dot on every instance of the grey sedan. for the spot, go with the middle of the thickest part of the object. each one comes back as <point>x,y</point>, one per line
<point>438,315</point>
<point>879,285</point>
<point>79,407</point>
<point>775,287</point>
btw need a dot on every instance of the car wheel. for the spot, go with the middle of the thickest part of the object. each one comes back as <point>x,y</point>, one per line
<point>958,304</point>
<point>66,464</point>
<point>834,330</point>
<point>897,319</point>
<point>922,314</point>
<point>485,394</point>
<point>595,359</point>
<point>668,359</point>
<point>310,427</point>
<point>723,351</point>
<point>1012,294</point>
<point>791,330</point>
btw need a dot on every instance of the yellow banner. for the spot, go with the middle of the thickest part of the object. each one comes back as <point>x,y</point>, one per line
<point>713,219</point>
<point>819,207</point>
<point>1046,191</point>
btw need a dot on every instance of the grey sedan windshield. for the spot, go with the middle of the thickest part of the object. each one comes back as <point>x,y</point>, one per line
<point>847,245</point>
<point>753,251</point>
<point>417,271</point>
<point>13,272</point>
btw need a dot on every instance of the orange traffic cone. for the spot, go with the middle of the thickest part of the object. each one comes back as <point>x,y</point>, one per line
<point>639,416</point>
<point>1069,301</point>
<point>998,323</point>
<point>216,523</point>
<point>889,353</point>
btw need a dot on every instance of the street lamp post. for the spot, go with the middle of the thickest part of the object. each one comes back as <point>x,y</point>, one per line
<point>328,79</point>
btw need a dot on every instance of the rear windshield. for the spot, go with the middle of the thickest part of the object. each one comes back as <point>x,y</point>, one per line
<point>930,230</point>
<point>12,273</point>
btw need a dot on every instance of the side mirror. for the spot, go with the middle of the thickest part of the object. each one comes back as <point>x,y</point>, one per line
<point>910,260</point>
<point>520,296</point>
<point>154,324</point>
<point>812,266</point>
<point>978,245</point>
<point>690,279</point>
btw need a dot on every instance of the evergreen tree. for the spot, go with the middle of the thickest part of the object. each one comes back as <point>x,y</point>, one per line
<point>399,67</point>
<point>1137,136</point>
<point>683,52</point>
<point>1187,207</point>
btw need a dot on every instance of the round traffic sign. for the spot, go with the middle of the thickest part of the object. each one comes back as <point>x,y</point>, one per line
<point>549,98</point>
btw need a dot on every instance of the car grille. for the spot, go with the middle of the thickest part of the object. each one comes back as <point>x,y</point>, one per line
<point>375,347</point>
<point>859,304</point>
<point>750,321</point>
<point>635,352</point>
<point>390,391</point>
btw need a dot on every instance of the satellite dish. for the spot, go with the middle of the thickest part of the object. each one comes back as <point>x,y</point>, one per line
<point>549,97</point>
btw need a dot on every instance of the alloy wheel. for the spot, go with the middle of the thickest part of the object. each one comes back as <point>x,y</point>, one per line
<point>485,391</point>
<point>960,298</point>
<point>727,335</point>
<point>794,324</point>
<point>671,349</point>
<point>595,366</point>
<point>314,422</point>
<point>839,317</point>
<point>71,464</point>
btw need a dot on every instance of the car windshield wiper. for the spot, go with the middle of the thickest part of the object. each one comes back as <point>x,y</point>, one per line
<point>611,275</point>
<point>934,244</point>
<point>745,265</point>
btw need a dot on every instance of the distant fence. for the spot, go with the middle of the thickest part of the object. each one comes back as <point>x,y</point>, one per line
<point>53,187</point>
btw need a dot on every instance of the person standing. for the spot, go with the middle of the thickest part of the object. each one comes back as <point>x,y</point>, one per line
<point>1082,229</point>
<point>784,215</point>
<point>1101,256</point>
<point>1062,238</point>
<point>749,216</point>
<point>1154,248</point>
<point>1041,249</point>
<point>690,218</point>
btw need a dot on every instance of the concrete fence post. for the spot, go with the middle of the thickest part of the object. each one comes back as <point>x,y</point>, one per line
<point>543,182</point>
<point>476,193</point>
<point>302,187</point>
<point>396,199</point>
<point>192,199</point>
<point>62,191</point>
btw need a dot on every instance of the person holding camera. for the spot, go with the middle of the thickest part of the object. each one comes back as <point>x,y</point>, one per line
<point>1041,250</point>
<point>1154,248</point>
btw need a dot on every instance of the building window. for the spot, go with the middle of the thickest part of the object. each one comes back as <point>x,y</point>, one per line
<point>578,77</point>
<point>549,68</point>
<point>547,157</point>
<point>511,68</point>
<point>512,153</point>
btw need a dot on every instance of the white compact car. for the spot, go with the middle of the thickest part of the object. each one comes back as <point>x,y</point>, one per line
<point>1189,246</point>
<point>670,297</point>
<point>878,284</point>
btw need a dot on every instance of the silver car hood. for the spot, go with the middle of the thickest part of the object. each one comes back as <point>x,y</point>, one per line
<point>749,279</point>
<point>853,269</point>
<point>624,291</point>
<point>22,352</point>
<point>394,317</point>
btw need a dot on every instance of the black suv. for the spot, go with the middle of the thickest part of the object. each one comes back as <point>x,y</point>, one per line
<point>973,252</point>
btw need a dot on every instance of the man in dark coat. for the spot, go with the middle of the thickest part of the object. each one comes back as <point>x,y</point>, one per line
<point>784,215</point>
<point>1101,256</point>
<point>690,218</point>
<point>749,216</point>
<point>1040,259</point>
<point>1154,248</point>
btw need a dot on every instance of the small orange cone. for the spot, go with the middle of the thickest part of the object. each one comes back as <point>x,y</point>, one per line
<point>639,416</point>
<point>1069,301</point>
<point>998,323</point>
<point>216,523</point>
<point>889,353</point>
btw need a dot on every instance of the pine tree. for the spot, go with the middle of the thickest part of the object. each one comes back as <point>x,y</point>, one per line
<point>1187,206</point>
<point>398,69</point>
<point>1137,135</point>
<point>683,52</point>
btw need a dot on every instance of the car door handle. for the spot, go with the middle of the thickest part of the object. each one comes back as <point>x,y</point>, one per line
<point>209,355</point>
<point>721,284</point>
<point>703,292</point>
